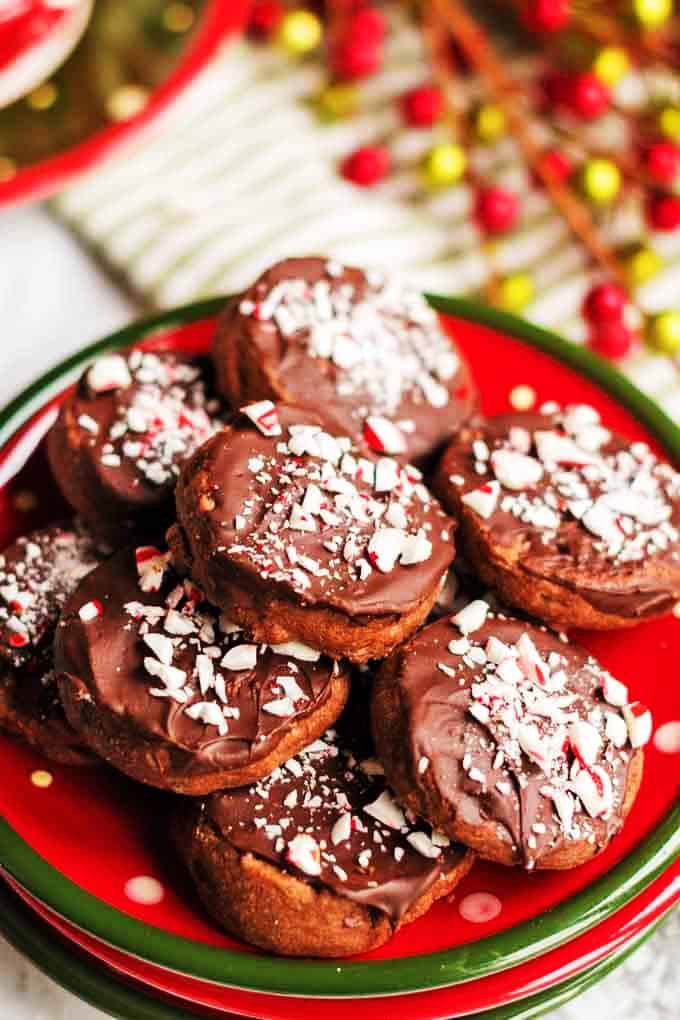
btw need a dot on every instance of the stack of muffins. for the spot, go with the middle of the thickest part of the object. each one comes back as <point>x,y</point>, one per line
<point>256,609</point>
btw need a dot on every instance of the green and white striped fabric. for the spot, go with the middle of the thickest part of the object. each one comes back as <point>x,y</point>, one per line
<point>240,172</point>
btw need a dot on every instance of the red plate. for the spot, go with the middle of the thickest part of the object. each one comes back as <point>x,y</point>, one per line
<point>76,844</point>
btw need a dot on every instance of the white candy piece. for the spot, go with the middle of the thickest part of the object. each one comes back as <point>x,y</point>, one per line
<point>385,810</point>
<point>471,617</point>
<point>416,549</point>
<point>515,470</point>
<point>585,740</point>
<point>594,789</point>
<point>483,500</point>
<point>89,612</point>
<point>386,474</point>
<point>264,416</point>
<point>304,853</point>
<point>615,693</point>
<point>564,806</point>
<point>109,373</point>
<point>297,650</point>
<point>342,829</point>
<point>385,547</point>
<point>421,842</point>
<point>161,646</point>
<point>300,519</point>
<point>616,730</point>
<point>382,435</point>
<point>240,657</point>
<point>519,438</point>
<point>209,713</point>
<point>554,448</point>
<point>535,748</point>
<point>282,707</point>
<point>639,722</point>
<point>173,678</point>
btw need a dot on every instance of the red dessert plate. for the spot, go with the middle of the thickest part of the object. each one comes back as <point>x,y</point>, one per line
<point>93,847</point>
<point>77,82</point>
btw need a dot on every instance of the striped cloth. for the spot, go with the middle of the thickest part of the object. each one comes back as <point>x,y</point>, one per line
<point>240,172</point>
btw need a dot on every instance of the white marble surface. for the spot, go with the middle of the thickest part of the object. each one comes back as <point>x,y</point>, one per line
<point>52,301</point>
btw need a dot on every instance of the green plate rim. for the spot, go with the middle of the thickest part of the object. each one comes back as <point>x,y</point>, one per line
<point>366,978</point>
<point>95,985</point>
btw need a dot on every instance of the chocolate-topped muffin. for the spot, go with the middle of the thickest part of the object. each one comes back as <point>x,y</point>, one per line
<point>298,536</point>
<point>367,354</point>
<point>512,741</point>
<point>167,690</point>
<point>122,434</point>
<point>317,859</point>
<point>38,572</point>
<point>566,519</point>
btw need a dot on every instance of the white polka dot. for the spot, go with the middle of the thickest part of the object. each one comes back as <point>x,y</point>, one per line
<point>41,778</point>
<point>676,610</point>
<point>522,397</point>
<point>480,907</point>
<point>145,890</point>
<point>667,738</point>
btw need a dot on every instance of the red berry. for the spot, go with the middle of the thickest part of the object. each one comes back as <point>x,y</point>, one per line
<point>368,24</point>
<point>355,58</point>
<point>612,339</point>
<point>546,15</point>
<point>605,303</point>
<point>265,17</point>
<point>588,96</point>
<point>662,161</point>
<point>558,164</point>
<point>496,209</point>
<point>422,106</point>
<point>663,212</point>
<point>366,166</point>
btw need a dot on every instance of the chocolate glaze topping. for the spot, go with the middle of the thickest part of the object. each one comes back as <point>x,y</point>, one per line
<point>38,572</point>
<point>592,511</point>
<point>274,500</point>
<point>139,416</point>
<point>328,817</point>
<point>353,347</point>
<point>148,648</point>
<point>513,725</point>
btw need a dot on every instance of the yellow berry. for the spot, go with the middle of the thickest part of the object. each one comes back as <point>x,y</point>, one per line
<point>664,333</point>
<point>652,13</point>
<point>601,181</point>
<point>445,164</point>
<point>669,122</point>
<point>611,64</point>
<point>490,123</point>
<point>338,101</point>
<point>300,32</point>
<point>516,291</point>
<point>642,264</point>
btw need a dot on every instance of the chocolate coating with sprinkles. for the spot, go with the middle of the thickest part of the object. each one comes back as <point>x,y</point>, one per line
<point>327,819</point>
<point>177,696</point>
<point>122,434</point>
<point>511,740</point>
<point>282,522</point>
<point>568,520</point>
<point>38,572</point>
<point>361,350</point>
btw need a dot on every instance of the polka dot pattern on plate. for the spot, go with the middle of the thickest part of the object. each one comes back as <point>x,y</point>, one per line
<point>478,908</point>
<point>667,738</point>
<point>522,398</point>
<point>42,779</point>
<point>144,890</point>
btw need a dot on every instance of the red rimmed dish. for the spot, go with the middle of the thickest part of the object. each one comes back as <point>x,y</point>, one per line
<point>51,127</point>
<point>78,841</point>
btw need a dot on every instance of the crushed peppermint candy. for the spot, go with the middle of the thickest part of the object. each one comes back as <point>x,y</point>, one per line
<point>543,717</point>
<point>327,815</point>
<point>572,470</point>
<point>162,412</point>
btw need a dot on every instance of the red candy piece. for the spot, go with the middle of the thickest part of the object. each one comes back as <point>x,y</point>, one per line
<point>496,209</point>
<point>588,96</point>
<point>663,212</point>
<point>18,640</point>
<point>612,340</point>
<point>558,164</point>
<point>355,58</point>
<point>366,165</point>
<point>265,17</point>
<point>605,302</point>
<point>546,15</point>
<point>662,161</point>
<point>422,106</point>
